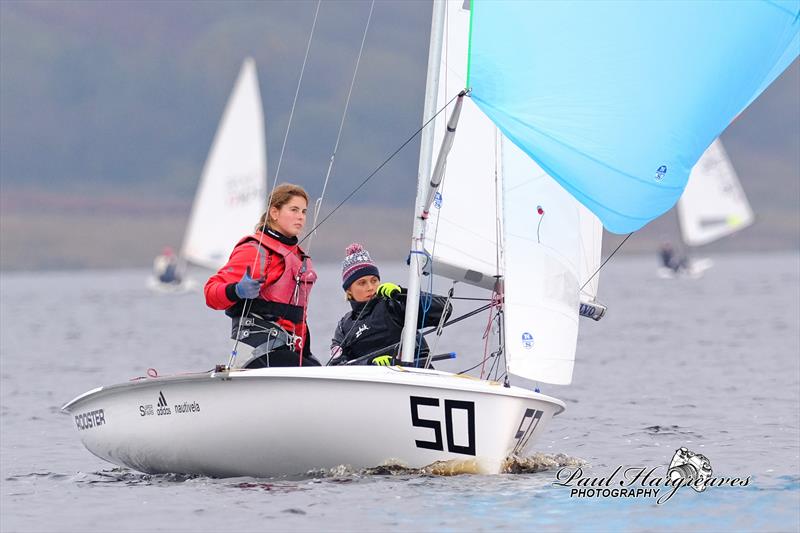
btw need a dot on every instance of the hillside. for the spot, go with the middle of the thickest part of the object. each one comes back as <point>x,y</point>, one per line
<point>108,109</point>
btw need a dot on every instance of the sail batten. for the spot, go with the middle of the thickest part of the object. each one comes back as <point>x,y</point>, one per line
<point>665,80</point>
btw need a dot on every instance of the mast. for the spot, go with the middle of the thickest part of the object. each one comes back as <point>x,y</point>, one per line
<point>425,155</point>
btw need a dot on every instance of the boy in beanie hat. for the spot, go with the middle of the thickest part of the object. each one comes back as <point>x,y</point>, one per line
<point>378,310</point>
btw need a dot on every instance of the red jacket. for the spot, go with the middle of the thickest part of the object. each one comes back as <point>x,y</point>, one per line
<point>220,288</point>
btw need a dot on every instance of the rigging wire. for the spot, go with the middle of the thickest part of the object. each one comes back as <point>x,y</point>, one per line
<point>607,259</point>
<point>498,228</point>
<point>296,94</point>
<point>498,291</point>
<point>318,204</point>
<point>440,325</point>
<point>493,354</point>
<point>494,368</point>
<point>378,169</point>
<point>488,331</point>
<point>486,354</point>
<point>248,303</point>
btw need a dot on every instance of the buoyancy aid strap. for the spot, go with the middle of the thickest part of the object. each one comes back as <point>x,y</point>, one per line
<point>301,287</point>
<point>272,310</point>
<point>262,250</point>
<point>263,257</point>
<point>292,313</point>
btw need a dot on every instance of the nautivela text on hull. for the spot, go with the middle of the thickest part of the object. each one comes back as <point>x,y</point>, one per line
<point>276,421</point>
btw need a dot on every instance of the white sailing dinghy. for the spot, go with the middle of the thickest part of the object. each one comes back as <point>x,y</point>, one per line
<point>712,206</point>
<point>291,420</point>
<point>231,194</point>
<point>531,244</point>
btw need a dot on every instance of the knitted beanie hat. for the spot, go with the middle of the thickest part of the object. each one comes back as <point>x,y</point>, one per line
<point>357,264</point>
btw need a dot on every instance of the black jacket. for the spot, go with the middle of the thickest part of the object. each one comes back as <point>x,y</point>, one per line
<point>378,324</point>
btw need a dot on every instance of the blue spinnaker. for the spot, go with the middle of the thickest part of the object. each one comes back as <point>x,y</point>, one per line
<point>618,100</point>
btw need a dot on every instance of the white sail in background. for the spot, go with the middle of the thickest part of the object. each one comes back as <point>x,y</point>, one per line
<point>231,195</point>
<point>491,189</point>
<point>713,204</point>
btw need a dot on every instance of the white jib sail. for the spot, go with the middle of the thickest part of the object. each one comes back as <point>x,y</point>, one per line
<point>231,194</point>
<point>551,242</point>
<point>713,204</point>
<point>492,188</point>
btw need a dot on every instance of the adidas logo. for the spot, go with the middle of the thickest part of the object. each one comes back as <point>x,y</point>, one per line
<point>163,408</point>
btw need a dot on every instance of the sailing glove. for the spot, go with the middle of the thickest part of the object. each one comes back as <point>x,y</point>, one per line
<point>387,290</point>
<point>383,360</point>
<point>248,288</point>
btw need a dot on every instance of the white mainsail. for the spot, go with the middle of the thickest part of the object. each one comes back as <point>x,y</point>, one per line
<point>713,204</point>
<point>486,221</point>
<point>462,229</point>
<point>230,195</point>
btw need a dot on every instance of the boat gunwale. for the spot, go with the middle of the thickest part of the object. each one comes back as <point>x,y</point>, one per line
<point>357,374</point>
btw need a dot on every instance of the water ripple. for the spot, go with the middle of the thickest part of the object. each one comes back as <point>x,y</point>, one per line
<point>668,431</point>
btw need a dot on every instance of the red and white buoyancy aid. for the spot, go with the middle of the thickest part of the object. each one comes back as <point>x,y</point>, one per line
<point>294,285</point>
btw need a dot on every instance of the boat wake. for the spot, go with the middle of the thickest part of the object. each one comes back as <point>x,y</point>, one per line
<point>539,462</point>
<point>131,477</point>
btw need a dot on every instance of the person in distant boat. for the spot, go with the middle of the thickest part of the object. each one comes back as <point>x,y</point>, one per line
<point>165,267</point>
<point>669,258</point>
<point>264,287</point>
<point>375,323</point>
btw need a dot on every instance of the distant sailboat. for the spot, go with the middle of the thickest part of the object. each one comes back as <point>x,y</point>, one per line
<point>231,194</point>
<point>712,206</point>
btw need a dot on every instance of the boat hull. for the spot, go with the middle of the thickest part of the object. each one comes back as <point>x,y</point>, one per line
<point>185,285</point>
<point>694,270</point>
<point>287,421</point>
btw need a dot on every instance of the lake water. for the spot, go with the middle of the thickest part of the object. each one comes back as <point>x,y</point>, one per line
<point>712,365</point>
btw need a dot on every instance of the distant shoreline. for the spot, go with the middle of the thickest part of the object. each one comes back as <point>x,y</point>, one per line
<point>39,239</point>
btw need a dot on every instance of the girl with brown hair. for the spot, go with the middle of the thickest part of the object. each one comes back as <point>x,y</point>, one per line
<point>265,285</point>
